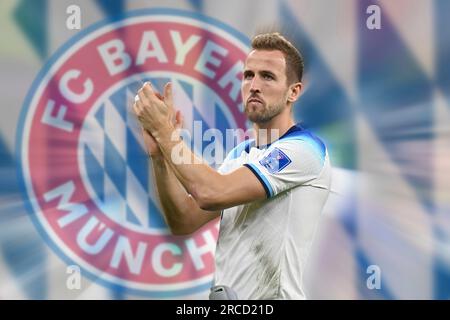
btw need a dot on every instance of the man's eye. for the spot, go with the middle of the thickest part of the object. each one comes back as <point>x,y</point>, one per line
<point>248,76</point>
<point>268,77</point>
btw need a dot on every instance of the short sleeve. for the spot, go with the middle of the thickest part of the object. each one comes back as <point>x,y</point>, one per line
<point>228,165</point>
<point>288,163</point>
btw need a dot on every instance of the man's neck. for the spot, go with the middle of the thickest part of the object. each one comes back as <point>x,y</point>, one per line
<point>268,132</point>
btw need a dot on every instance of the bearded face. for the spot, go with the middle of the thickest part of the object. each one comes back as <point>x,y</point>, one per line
<point>264,87</point>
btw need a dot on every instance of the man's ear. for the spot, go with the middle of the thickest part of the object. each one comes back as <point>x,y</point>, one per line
<point>295,91</point>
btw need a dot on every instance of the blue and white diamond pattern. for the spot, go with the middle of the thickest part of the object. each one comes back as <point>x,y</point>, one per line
<point>117,172</point>
<point>114,155</point>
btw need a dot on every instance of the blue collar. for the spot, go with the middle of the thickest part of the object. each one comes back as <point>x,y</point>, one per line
<point>295,128</point>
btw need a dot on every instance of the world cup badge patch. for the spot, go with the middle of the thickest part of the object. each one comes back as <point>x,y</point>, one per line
<point>275,161</point>
<point>84,169</point>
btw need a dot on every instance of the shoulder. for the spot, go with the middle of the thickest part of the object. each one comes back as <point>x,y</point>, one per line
<point>302,141</point>
<point>241,147</point>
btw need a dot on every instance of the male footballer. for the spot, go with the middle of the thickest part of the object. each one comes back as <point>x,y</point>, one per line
<point>269,191</point>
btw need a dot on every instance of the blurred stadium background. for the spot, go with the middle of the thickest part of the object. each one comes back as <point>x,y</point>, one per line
<point>379,98</point>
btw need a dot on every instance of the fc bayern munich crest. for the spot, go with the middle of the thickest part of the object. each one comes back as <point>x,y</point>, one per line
<point>84,169</point>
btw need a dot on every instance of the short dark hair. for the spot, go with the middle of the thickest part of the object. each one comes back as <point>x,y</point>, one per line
<point>293,57</point>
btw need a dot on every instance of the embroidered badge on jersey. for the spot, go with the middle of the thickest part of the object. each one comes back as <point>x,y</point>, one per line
<point>275,161</point>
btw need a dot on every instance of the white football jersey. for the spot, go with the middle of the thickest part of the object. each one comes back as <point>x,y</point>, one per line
<point>263,245</point>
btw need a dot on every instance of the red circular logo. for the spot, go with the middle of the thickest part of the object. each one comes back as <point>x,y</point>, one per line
<point>84,169</point>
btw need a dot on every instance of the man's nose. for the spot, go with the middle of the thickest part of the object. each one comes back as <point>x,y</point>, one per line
<point>255,85</point>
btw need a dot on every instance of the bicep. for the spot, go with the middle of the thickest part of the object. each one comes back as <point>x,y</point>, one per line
<point>192,220</point>
<point>202,217</point>
<point>239,187</point>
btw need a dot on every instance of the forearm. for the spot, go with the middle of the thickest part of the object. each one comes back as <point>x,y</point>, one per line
<point>196,176</point>
<point>181,211</point>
